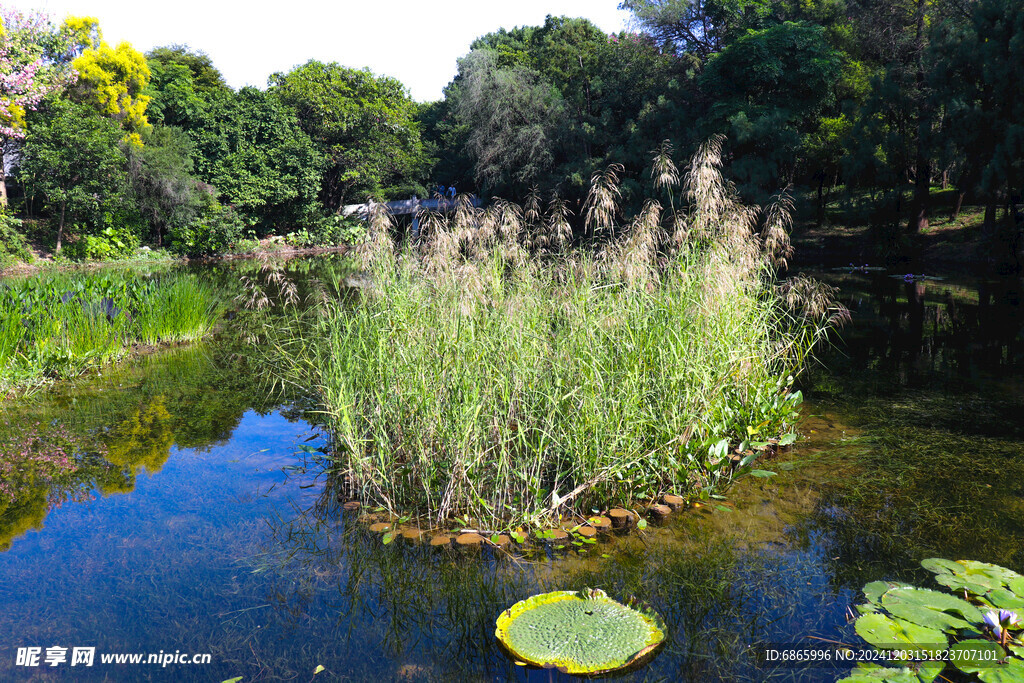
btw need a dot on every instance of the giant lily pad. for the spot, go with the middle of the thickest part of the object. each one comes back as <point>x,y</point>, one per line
<point>583,632</point>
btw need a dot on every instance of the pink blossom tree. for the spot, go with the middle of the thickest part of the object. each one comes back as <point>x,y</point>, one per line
<point>35,60</point>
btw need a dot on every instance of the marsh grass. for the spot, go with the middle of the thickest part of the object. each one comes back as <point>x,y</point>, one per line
<point>490,377</point>
<point>59,325</point>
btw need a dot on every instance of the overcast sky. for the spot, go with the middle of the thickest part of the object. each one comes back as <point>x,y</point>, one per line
<point>414,41</point>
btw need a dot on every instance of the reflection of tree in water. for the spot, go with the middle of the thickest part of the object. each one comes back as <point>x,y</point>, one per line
<point>41,467</point>
<point>143,440</point>
<point>931,372</point>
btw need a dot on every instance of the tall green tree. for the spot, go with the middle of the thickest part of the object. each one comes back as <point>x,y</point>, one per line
<point>363,125</point>
<point>73,162</point>
<point>769,88</point>
<point>977,83</point>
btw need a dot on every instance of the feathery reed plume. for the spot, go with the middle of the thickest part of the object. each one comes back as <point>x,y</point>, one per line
<point>602,203</point>
<point>377,250</point>
<point>778,221</point>
<point>663,170</point>
<point>558,232</point>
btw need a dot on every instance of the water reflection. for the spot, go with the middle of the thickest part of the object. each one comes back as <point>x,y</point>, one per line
<point>197,517</point>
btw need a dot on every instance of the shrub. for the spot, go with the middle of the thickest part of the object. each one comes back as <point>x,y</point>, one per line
<point>213,231</point>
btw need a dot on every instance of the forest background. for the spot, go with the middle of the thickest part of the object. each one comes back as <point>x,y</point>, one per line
<point>892,116</point>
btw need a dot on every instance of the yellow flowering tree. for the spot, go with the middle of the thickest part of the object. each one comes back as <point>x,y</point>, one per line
<point>111,79</point>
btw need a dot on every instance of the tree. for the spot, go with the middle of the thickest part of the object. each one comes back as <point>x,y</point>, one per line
<point>699,28</point>
<point>112,79</point>
<point>768,88</point>
<point>976,81</point>
<point>363,125</point>
<point>162,185</point>
<point>72,159</point>
<point>251,147</point>
<point>513,116</point>
<point>34,58</point>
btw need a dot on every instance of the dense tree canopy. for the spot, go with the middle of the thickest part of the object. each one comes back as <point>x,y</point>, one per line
<point>362,124</point>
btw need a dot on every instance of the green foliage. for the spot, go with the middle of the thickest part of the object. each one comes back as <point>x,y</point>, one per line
<point>547,106</point>
<point>252,149</point>
<point>363,126</point>
<point>13,246</point>
<point>61,325</point>
<point>769,87</point>
<point>981,639</point>
<point>73,165</point>
<point>163,189</point>
<point>213,230</point>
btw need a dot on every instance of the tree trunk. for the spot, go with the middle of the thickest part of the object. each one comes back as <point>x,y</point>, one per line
<point>60,228</point>
<point>957,205</point>
<point>821,199</point>
<point>3,179</point>
<point>919,205</point>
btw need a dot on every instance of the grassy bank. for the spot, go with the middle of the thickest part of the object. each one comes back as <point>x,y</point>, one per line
<point>58,325</point>
<point>490,372</point>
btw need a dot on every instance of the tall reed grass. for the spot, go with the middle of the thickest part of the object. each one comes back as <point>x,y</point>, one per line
<point>59,325</point>
<point>491,373</point>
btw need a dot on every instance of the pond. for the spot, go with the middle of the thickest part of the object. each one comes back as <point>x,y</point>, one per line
<point>206,526</point>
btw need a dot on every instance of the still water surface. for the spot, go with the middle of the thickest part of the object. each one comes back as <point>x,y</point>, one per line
<point>215,532</point>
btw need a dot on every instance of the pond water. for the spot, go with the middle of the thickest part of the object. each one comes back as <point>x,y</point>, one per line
<point>206,526</point>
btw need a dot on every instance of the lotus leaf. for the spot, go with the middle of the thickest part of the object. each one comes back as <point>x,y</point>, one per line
<point>887,633</point>
<point>583,632</point>
<point>874,590</point>
<point>930,608</point>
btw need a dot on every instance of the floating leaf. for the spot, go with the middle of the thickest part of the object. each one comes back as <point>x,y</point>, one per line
<point>874,673</point>
<point>982,657</point>
<point>763,473</point>
<point>641,524</point>
<point>887,633</point>
<point>970,575</point>
<point>580,633</point>
<point>908,603</point>
<point>1004,599</point>
<point>318,669</point>
<point>390,536</point>
<point>787,439</point>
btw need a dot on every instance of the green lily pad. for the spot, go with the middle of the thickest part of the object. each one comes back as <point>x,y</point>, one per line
<point>888,633</point>
<point>874,590</point>
<point>584,632</point>
<point>983,657</point>
<point>931,609</point>
<point>875,673</point>
<point>1004,599</point>
<point>970,575</point>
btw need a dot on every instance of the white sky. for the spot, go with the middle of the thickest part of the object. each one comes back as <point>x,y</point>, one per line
<point>415,41</point>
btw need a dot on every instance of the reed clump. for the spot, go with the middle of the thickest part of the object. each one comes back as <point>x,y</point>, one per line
<point>60,325</point>
<point>495,373</point>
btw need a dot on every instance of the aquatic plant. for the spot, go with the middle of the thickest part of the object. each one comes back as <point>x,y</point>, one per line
<point>940,628</point>
<point>483,375</point>
<point>59,325</point>
<point>582,633</point>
